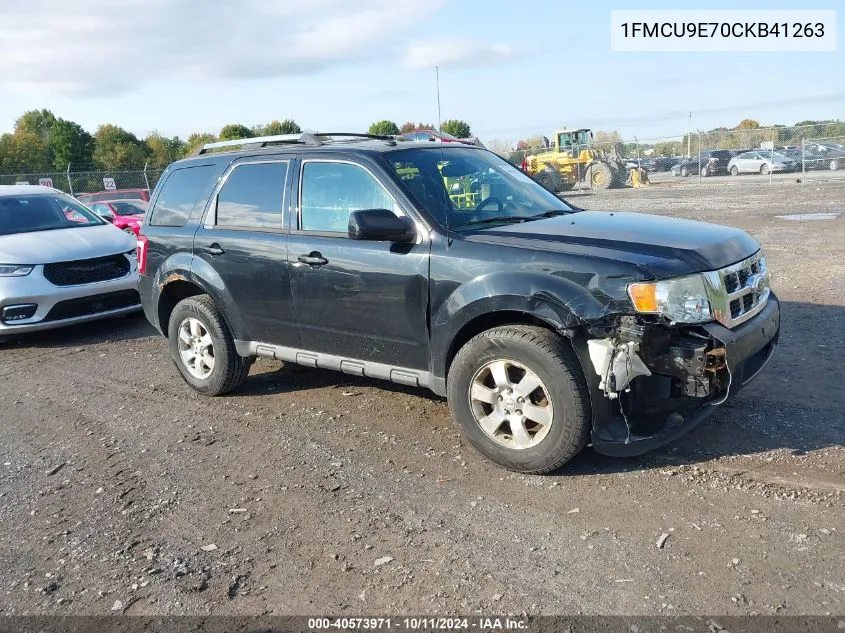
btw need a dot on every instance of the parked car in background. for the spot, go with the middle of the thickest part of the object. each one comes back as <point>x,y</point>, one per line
<point>127,215</point>
<point>809,161</point>
<point>711,162</point>
<point>833,153</point>
<point>60,263</point>
<point>114,194</point>
<point>665,163</point>
<point>760,162</point>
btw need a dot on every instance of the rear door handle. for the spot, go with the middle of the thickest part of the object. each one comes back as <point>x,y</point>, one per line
<point>313,259</point>
<point>212,249</point>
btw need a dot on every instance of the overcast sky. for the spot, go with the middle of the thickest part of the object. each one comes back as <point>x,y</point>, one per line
<point>509,68</point>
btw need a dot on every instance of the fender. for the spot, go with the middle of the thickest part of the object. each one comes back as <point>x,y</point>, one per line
<point>185,267</point>
<point>558,301</point>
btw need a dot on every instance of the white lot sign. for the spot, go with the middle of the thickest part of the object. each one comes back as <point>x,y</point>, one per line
<point>45,182</point>
<point>22,182</point>
<point>108,184</point>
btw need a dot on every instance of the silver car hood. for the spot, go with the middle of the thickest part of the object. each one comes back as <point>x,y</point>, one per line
<point>59,245</point>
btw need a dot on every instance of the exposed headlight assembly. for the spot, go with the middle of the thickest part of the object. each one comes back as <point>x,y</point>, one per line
<point>681,300</point>
<point>14,270</point>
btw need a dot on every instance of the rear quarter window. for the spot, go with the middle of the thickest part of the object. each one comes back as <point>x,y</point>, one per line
<point>179,194</point>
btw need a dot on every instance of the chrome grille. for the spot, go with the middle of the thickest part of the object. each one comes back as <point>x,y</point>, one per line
<point>740,291</point>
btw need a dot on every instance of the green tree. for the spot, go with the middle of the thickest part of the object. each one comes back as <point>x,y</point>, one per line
<point>276,127</point>
<point>25,152</point>
<point>384,128</point>
<point>457,128</point>
<point>234,132</point>
<point>71,145</point>
<point>747,124</point>
<point>197,140</point>
<point>36,121</point>
<point>163,150</point>
<point>408,126</point>
<point>115,148</point>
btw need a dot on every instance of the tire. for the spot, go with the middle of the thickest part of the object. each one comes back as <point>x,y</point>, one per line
<point>705,172</point>
<point>684,172</point>
<point>764,169</point>
<point>833,165</point>
<point>229,369</point>
<point>734,171</point>
<point>522,351</point>
<point>549,180</point>
<point>599,176</point>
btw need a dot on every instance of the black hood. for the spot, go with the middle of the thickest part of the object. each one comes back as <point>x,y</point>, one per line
<point>665,247</point>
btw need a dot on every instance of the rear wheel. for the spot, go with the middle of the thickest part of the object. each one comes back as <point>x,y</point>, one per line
<point>599,176</point>
<point>203,349</point>
<point>520,396</point>
<point>834,165</point>
<point>684,172</point>
<point>705,171</point>
<point>734,171</point>
<point>764,169</point>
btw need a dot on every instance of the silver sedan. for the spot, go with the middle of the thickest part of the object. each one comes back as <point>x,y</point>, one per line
<point>760,163</point>
<point>60,263</point>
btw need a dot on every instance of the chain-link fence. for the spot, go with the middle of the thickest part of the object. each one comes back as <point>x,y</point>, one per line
<point>88,181</point>
<point>809,153</point>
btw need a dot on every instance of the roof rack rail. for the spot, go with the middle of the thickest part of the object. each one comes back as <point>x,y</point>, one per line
<point>305,138</point>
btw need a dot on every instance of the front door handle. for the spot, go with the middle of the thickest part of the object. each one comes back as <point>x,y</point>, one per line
<point>212,249</point>
<point>313,259</point>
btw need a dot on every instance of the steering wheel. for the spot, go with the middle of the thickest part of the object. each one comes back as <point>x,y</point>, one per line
<point>499,206</point>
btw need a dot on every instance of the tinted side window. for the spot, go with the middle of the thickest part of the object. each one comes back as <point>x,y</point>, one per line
<point>329,192</point>
<point>252,196</point>
<point>179,194</point>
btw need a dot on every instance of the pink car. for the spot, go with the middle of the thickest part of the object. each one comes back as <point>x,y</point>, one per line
<point>127,215</point>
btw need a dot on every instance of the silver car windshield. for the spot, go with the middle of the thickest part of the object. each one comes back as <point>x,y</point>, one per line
<point>465,188</point>
<point>29,213</point>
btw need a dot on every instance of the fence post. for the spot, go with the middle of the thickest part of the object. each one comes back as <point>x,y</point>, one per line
<point>146,180</point>
<point>772,156</point>
<point>803,162</point>
<point>699,156</point>
<point>69,181</point>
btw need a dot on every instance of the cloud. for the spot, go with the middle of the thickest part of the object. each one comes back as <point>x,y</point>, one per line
<point>111,46</point>
<point>457,53</point>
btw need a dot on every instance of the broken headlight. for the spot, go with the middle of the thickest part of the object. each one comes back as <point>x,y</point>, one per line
<point>681,300</point>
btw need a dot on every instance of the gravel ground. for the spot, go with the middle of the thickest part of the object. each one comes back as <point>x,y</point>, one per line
<point>121,491</point>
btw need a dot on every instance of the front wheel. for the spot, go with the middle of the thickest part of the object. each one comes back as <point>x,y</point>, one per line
<point>203,349</point>
<point>764,169</point>
<point>521,398</point>
<point>734,171</point>
<point>684,172</point>
<point>834,165</point>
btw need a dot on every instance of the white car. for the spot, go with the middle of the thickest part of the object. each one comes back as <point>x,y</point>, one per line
<point>761,162</point>
<point>60,263</point>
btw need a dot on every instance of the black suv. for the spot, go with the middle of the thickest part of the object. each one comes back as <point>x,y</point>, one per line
<point>712,163</point>
<point>443,266</point>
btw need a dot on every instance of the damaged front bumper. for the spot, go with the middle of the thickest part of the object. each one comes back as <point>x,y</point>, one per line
<point>683,375</point>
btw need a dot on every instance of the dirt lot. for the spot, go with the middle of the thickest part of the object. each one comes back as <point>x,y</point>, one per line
<point>313,492</point>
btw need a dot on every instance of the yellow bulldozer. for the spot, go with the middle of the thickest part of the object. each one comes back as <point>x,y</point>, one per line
<point>572,159</point>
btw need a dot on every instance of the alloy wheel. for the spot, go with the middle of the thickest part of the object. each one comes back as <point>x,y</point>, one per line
<point>196,348</point>
<point>511,404</point>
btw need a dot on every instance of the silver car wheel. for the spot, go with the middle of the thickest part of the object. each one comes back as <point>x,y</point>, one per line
<point>511,404</point>
<point>196,348</point>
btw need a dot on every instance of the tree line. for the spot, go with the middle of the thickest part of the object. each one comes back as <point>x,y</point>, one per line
<point>42,142</point>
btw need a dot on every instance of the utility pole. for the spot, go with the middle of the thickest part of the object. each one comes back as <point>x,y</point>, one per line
<point>437,78</point>
<point>689,133</point>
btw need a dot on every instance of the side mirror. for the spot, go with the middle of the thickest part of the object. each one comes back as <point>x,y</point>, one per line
<point>381,225</point>
<point>107,218</point>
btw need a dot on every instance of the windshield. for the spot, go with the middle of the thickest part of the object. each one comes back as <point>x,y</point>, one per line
<point>129,208</point>
<point>25,214</point>
<point>464,188</point>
